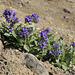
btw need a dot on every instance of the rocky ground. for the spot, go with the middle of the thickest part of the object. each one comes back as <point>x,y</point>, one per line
<point>58,15</point>
<point>11,63</point>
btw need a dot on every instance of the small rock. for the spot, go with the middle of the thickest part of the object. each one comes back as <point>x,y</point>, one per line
<point>34,64</point>
<point>67,10</point>
<point>66,17</point>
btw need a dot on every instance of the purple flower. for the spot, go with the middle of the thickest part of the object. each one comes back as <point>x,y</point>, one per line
<point>10,16</point>
<point>60,52</point>
<point>40,47</point>
<point>10,28</point>
<point>7,13</point>
<point>32,18</point>
<point>43,45</point>
<point>20,33</point>
<point>47,29</point>
<point>53,51</point>
<point>73,44</point>
<point>55,45</point>
<point>44,34</point>
<point>61,38</point>
<point>28,18</point>
<point>34,15</point>
<point>24,31</point>
<point>56,53</point>
<point>15,19</point>
<point>14,14</point>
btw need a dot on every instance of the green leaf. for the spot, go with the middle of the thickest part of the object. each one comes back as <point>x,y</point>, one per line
<point>20,41</point>
<point>63,55</point>
<point>14,34</point>
<point>4,26</point>
<point>26,48</point>
<point>16,26</point>
<point>36,43</point>
<point>64,67</point>
<point>31,45</point>
<point>73,62</point>
<point>29,26</point>
<point>7,34</point>
<point>52,38</point>
<point>0,27</point>
<point>57,64</point>
<point>5,41</point>
<point>33,38</point>
<point>48,43</point>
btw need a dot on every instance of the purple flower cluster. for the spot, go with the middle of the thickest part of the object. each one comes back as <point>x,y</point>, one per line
<point>28,18</point>
<point>32,18</point>
<point>43,45</point>
<point>55,51</point>
<point>43,42</point>
<point>44,33</point>
<point>10,16</point>
<point>24,31</point>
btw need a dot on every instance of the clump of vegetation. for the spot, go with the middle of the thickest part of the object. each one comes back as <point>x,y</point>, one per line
<point>42,45</point>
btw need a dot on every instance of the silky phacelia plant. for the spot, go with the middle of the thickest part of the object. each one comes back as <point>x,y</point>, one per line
<point>43,45</point>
